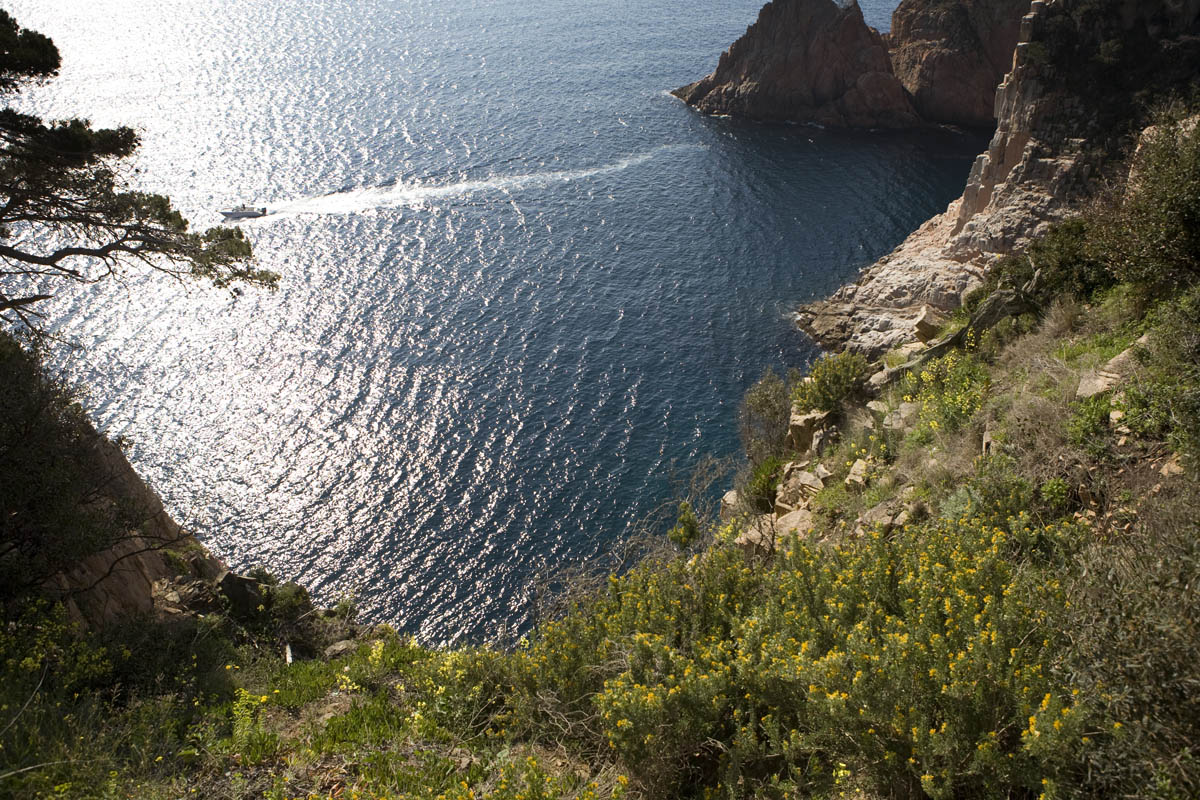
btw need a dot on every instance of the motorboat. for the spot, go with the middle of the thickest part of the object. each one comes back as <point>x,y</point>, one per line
<point>244,212</point>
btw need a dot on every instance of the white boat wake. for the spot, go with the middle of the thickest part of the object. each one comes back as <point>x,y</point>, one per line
<point>398,195</point>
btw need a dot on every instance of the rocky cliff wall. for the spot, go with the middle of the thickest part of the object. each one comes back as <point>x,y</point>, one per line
<point>952,54</point>
<point>806,61</point>
<point>1081,75</point>
<point>119,582</point>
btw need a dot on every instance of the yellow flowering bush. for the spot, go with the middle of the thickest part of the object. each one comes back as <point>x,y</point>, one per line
<point>949,390</point>
<point>920,660</point>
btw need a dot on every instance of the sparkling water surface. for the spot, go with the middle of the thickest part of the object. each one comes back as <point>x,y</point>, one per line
<point>520,282</point>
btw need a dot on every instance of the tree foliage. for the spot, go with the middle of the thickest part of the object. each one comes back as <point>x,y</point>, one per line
<point>67,209</point>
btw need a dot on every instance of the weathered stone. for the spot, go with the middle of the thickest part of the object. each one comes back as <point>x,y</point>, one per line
<point>877,407</point>
<point>928,323</point>
<point>951,55</point>
<point>340,648</point>
<point>902,418</point>
<point>203,565</point>
<point>1094,382</point>
<point>1171,467</point>
<point>803,426</point>
<point>797,487</point>
<point>796,523</point>
<point>857,479</point>
<point>878,517</point>
<point>244,594</point>
<point>1117,369</point>
<point>758,538</point>
<point>806,61</point>
<point>729,505</point>
<point>822,440</point>
<point>822,472</point>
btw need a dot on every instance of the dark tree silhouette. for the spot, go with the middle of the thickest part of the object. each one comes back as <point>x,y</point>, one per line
<point>67,210</point>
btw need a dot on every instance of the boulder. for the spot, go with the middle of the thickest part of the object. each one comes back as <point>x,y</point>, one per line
<point>882,517</point>
<point>243,594</point>
<point>822,440</point>
<point>902,418</point>
<point>796,523</point>
<point>340,648</point>
<point>1118,368</point>
<point>803,426</point>
<point>796,489</point>
<point>729,505</point>
<point>857,479</point>
<point>758,538</point>
<point>928,323</point>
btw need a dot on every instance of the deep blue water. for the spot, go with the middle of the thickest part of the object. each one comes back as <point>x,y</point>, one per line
<point>520,282</point>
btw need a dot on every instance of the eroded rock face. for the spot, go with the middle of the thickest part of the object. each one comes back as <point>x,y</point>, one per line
<point>952,54</point>
<point>119,582</point>
<point>1049,118</point>
<point>806,61</point>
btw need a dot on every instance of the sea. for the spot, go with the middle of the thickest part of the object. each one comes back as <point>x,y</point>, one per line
<point>522,288</point>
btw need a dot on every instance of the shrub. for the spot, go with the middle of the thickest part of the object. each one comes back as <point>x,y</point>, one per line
<point>686,527</point>
<point>949,390</point>
<point>53,509</point>
<point>1135,654</point>
<point>760,488</point>
<point>1069,261</point>
<point>833,379</point>
<point>1087,427</point>
<point>913,661</point>
<point>1152,237</point>
<point>1167,400</point>
<point>763,418</point>
<point>1055,493</point>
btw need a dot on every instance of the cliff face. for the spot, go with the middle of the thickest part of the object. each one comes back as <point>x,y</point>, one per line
<point>1071,96</point>
<point>119,582</point>
<point>806,61</point>
<point>951,54</point>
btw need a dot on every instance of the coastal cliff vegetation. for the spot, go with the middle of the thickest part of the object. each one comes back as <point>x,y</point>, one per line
<point>970,569</point>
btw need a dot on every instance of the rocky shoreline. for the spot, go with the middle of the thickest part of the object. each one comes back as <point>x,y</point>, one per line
<point>1025,180</point>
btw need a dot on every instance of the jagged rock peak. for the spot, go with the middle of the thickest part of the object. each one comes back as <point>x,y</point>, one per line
<point>806,61</point>
<point>952,54</point>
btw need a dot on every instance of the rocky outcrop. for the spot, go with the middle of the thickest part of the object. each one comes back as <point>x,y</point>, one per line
<point>806,61</point>
<point>121,581</point>
<point>1055,117</point>
<point>952,54</point>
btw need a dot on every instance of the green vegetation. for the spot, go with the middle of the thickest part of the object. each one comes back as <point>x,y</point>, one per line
<point>1025,629</point>
<point>832,380</point>
<point>764,415</point>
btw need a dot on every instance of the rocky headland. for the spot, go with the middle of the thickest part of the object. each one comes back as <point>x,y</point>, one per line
<point>806,61</point>
<point>1061,94</point>
<point>817,61</point>
<point>1060,111</point>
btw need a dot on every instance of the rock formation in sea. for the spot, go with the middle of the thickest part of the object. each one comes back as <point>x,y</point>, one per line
<point>1068,104</point>
<point>806,61</point>
<point>952,54</point>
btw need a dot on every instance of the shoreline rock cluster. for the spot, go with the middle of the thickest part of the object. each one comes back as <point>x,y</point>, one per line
<point>817,61</point>
<point>806,61</point>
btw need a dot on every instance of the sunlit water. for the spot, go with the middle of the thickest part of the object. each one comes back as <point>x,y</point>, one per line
<point>520,283</point>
